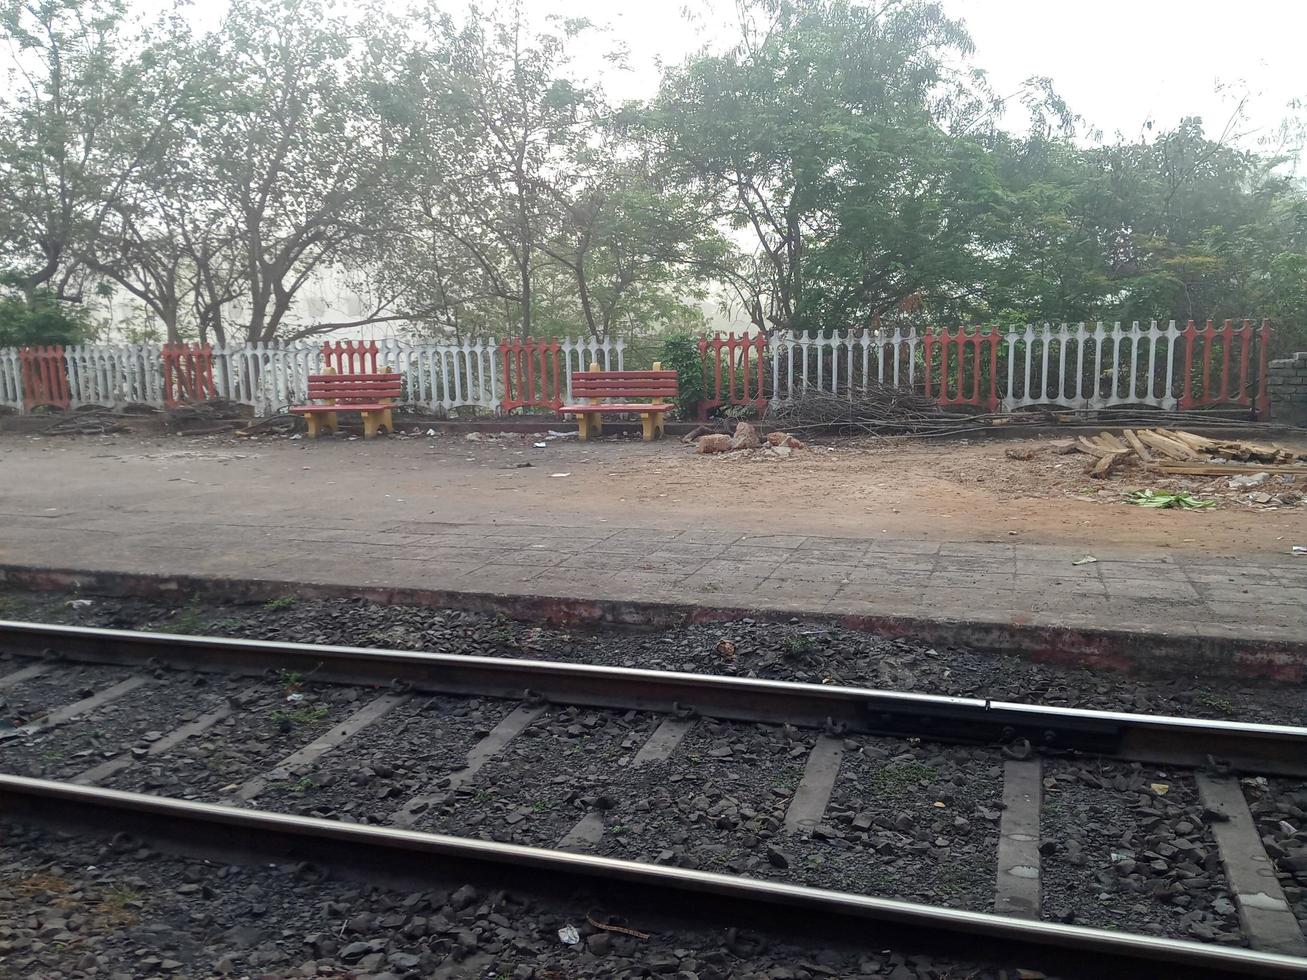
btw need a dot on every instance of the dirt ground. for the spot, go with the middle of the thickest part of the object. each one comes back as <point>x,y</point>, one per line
<point>956,491</point>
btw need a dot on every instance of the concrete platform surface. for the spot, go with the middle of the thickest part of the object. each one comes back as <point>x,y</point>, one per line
<point>324,518</point>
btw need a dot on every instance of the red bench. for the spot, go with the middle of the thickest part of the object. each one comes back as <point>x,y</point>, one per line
<point>371,395</point>
<point>655,387</point>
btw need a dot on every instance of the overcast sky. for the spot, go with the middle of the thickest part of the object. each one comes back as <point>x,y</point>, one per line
<point>1118,63</point>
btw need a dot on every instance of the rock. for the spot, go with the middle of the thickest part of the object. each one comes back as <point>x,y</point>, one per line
<point>464,897</point>
<point>1247,482</point>
<point>746,437</point>
<point>713,444</point>
<point>404,961</point>
<point>783,440</point>
<point>777,858</point>
<point>360,949</point>
<point>781,451</point>
<point>600,944</point>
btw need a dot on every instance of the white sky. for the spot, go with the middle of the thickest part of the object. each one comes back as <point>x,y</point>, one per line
<point>1117,63</point>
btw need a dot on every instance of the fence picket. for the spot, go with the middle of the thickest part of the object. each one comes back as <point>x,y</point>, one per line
<point>1166,366</point>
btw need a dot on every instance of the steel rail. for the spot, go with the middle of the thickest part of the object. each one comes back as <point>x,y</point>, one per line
<point>1158,739</point>
<point>231,832</point>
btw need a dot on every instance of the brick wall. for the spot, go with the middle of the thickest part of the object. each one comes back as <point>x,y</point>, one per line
<point>1287,386</point>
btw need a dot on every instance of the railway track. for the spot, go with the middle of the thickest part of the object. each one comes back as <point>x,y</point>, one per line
<point>568,757</point>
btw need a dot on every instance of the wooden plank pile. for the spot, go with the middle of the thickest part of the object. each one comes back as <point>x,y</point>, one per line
<point>1180,453</point>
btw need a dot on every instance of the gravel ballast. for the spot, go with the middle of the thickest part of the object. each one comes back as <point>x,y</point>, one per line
<point>29,701</point>
<point>264,727</point>
<point>82,907</point>
<point>1128,847</point>
<point>1280,808</point>
<point>794,651</point>
<point>128,724</point>
<point>546,779</point>
<point>408,752</point>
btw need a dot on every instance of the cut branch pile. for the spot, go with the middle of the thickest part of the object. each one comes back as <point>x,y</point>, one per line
<point>1181,453</point>
<point>886,410</point>
<point>877,410</point>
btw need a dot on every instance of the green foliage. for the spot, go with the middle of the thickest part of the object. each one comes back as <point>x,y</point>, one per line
<point>896,777</point>
<point>840,162</point>
<point>799,645</point>
<point>680,353</point>
<point>44,321</point>
<point>1184,501</point>
<point>280,603</point>
<point>290,681</point>
<point>284,718</point>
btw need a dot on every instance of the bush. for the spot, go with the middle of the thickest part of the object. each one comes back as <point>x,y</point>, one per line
<point>680,353</point>
<point>45,321</point>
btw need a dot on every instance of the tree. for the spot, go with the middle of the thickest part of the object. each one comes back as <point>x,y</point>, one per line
<point>635,248</point>
<point>85,116</point>
<point>824,135</point>
<point>288,164</point>
<point>41,319</point>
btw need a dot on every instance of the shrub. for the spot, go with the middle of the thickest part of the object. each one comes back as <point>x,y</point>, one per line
<point>680,353</point>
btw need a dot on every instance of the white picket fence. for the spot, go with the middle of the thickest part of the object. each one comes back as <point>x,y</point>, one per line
<point>1073,365</point>
<point>11,380</point>
<point>272,377</point>
<point>1076,366</point>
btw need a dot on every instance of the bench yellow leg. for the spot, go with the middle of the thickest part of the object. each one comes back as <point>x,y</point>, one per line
<point>583,427</point>
<point>649,422</point>
<point>314,426</point>
<point>329,423</point>
<point>371,423</point>
<point>388,420</point>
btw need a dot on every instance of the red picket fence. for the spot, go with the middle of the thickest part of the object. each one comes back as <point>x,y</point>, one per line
<point>743,382</point>
<point>533,374</point>
<point>946,376</point>
<point>1232,350</point>
<point>45,378</point>
<point>350,356</point>
<point>187,374</point>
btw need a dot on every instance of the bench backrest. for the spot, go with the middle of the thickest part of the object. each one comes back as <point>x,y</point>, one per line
<point>626,385</point>
<point>354,387</point>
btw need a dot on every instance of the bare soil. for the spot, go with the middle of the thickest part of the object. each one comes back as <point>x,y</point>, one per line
<point>934,490</point>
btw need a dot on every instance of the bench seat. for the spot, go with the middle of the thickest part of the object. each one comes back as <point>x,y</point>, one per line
<point>614,407</point>
<point>594,386</point>
<point>342,407</point>
<point>371,395</point>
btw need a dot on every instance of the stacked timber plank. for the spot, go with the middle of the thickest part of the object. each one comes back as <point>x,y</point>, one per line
<point>1186,454</point>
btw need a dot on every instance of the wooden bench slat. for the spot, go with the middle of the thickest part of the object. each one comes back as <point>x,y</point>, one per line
<point>623,375</point>
<point>381,391</point>
<point>613,407</point>
<point>341,407</point>
<point>380,376</point>
<point>580,391</point>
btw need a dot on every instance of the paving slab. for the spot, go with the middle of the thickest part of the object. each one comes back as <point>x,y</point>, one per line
<point>341,527</point>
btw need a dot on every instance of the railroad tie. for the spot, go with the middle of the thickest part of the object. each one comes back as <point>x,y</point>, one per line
<point>1264,912</point>
<point>23,674</point>
<point>819,775</point>
<point>78,708</point>
<point>98,774</point>
<point>1018,888</point>
<point>323,744</point>
<point>513,723</point>
<point>589,830</point>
